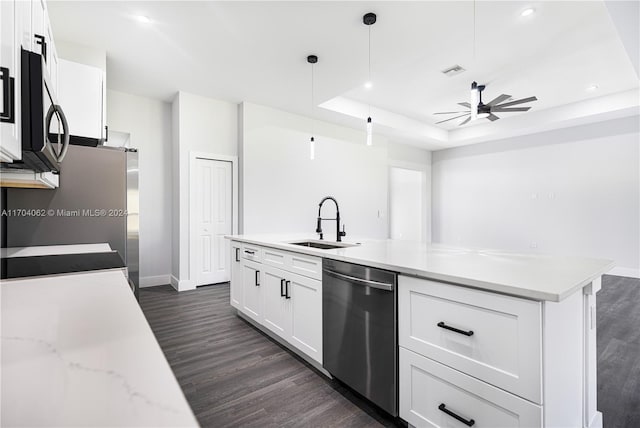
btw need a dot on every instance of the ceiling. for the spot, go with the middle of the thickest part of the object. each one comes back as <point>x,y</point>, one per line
<point>256,52</point>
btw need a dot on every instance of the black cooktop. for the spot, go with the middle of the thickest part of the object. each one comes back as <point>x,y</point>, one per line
<point>20,267</point>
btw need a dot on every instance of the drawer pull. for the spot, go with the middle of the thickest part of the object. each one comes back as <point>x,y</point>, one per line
<point>237,254</point>
<point>282,292</point>
<point>287,295</point>
<point>457,330</point>
<point>249,252</point>
<point>257,278</point>
<point>468,423</point>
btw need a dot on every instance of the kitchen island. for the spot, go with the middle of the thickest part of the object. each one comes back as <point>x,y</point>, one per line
<point>77,351</point>
<point>485,337</point>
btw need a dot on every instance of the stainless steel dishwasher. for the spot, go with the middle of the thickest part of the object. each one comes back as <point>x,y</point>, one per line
<point>360,340</point>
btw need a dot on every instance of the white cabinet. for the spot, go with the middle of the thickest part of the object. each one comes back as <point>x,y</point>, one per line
<point>235,289</point>
<point>492,337</point>
<point>484,353</point>
<point>81,93</point>
<point>444,397</point>
<point>306,315</point>
<point>42,40</point>
<point>273,293</point>
<point>23,24</point>
<point>11,22</point>
<point>277,302</point>
<point>251,293</point>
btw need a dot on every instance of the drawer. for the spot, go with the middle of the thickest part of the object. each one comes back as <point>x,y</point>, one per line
<point>492,337</point>
<point>273,257</point>
<point>251,252</point>
<point>432,395</point>
<point>302,264</point>
<point>305,265</point>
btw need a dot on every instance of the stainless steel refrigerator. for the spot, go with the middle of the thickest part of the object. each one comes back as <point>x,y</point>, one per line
<point>97,201</point>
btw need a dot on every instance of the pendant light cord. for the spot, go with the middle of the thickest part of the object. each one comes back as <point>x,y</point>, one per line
<point>312,101</point>
<point>370,82</point>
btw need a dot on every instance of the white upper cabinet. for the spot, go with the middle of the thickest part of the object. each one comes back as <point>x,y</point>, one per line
<point>10,33</point>
<point>81,93</point>
<point>23,24</point>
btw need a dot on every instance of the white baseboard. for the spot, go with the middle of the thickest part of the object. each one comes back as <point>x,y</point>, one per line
<point>152,281</point>
<point>182,285</point>
<point>622,271</point>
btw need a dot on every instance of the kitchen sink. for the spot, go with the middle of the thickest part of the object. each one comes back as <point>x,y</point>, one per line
<point>322,245</point>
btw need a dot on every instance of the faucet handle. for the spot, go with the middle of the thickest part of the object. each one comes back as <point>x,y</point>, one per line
<point>343,233</point>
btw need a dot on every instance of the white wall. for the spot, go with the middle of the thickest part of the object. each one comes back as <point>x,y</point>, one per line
<point>82,54</point>
<point>149,123</point>
<point>201,125</point>
<point>574,191</point>
<point>282,186</point>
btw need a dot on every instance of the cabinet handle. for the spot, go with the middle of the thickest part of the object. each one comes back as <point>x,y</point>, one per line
<point>457,330</point>
<point>106,133</point>
<point>249,252</point>
<point>42,41</point>
<point>257,278</point>
<point>8,96</point>
<point>287,295</point>
<point>237,254</point>
<point>282,292</point>
<point>468,423</point>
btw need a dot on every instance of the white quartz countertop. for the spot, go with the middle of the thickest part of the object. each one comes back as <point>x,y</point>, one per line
<point>533,276</point>
<point>47,250</point>
<point>77,351</point>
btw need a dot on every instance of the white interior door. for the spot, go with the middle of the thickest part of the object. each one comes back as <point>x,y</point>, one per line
<point>213,220</point>
<point>407,216</point>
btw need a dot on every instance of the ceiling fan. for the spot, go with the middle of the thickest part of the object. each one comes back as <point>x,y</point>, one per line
<point>496,105</point>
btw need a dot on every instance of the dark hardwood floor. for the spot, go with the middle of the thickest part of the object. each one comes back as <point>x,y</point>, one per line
<point>618,338</point>
<point>233,375</point>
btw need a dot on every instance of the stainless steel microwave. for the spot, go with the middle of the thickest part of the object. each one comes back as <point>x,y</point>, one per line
<point>44,128</point>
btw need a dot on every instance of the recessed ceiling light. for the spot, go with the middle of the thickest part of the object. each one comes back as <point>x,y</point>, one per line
<point>143,19</point>
<point>592,87</point>
<point>527,12</point>
<point>368,85</point>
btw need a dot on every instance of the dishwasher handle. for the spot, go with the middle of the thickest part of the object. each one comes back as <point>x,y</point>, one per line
<point>373,284</point>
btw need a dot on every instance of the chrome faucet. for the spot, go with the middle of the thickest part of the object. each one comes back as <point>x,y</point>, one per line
<point>339,234</point>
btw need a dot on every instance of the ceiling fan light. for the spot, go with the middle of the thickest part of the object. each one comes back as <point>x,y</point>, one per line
<point>483,115</point>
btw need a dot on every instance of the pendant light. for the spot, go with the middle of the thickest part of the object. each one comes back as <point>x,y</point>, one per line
<point>369,19</point>
<point>312,59</point>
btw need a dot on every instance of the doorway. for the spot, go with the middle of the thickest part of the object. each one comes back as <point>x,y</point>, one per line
<point>408,216</point>
<point>213,206</point>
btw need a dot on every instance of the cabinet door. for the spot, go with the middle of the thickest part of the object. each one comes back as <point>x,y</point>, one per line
<point>235,287</point>
<point>80,94</point>
<point>39,39</point>
<point>10,30</point>
<point>306,315</point>
<point>251,292</point>
<point>52,55</point>
<point>434,395</point>
<point>276,308</point>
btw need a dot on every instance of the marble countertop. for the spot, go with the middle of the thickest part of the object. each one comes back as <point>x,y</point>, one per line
<point>533,276</point>
<point>78,351</point>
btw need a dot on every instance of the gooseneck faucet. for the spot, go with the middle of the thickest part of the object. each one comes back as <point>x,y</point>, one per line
<point>339,234</point>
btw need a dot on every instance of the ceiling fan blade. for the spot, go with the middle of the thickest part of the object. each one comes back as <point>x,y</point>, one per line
<point>492,117</point>
<point>447,120</point>
<point>501,109</point>
<point>498,99</point>
<point>450,112</point>
<point>523,100</point>
<point>467,105</point>
<point>465,121</point>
